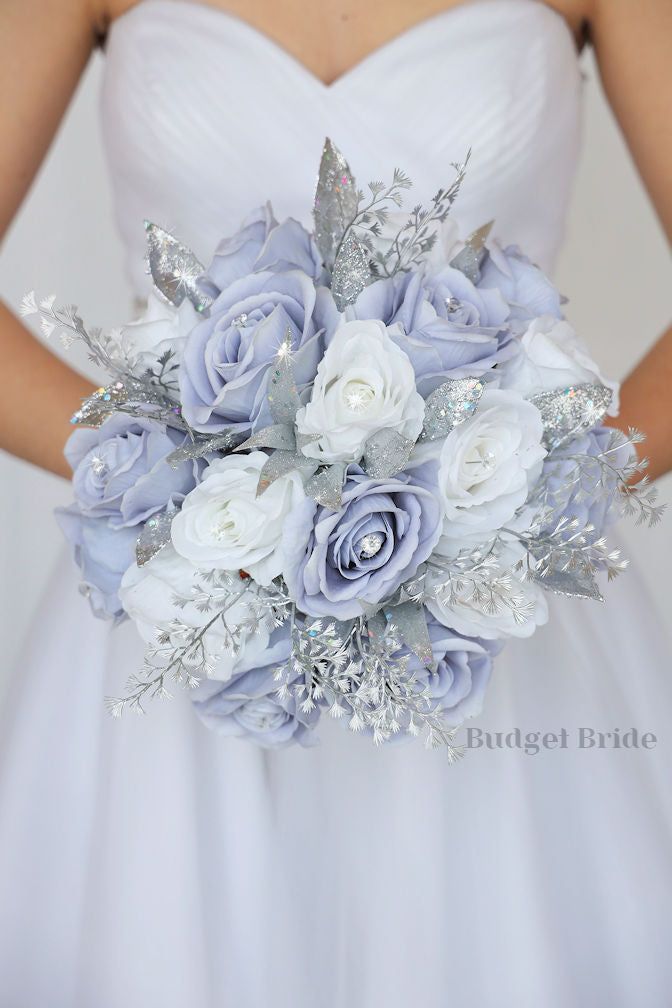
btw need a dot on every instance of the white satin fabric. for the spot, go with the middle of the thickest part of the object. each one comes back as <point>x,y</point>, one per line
<point>150,862</point>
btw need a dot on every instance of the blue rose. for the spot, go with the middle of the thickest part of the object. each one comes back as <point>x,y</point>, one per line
<point>228,355</point>
<point>460,674</point>
<point>288,247</point>
<point>102,553</point>
<point>340,561</point>
<point>569,498</point>
<point>443,323</point>
<point>526,288</point>
<point>261,244</point>
<point>235,256</point>
<point>247,706</point>
<point>120,471</point>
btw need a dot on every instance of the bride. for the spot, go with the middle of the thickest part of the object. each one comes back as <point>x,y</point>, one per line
<point>158,863</point>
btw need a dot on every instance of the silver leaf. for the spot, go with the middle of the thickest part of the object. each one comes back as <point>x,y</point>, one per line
<point>566,412</point>
<point>326,486</point>
<point>123,394</point>
<point>154,536</point>
<point>275,436</point>
<point>335,203</point>
<point>411,622</point>
<point>218,442</point>
<point>100,404</point>
<point>174,268</point>
<point>469,260</point>
<point>283,398</point>
<point>279,464</point>
<point>449,405</point>
<point>352,272</point>
<point>376,625</point>
<point>574,583</point>
<point>386,453</point>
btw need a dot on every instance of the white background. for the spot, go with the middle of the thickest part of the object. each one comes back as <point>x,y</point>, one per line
<point>615,267</point>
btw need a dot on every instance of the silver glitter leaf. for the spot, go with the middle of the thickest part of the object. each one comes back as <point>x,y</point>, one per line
<point>279,464</point>
<point>326,486</point>
<point>469,259</point>
<point>575,583</point>
<point>154,536</point>
<point>450,405</point>
<point>411,622</point>
<point>568,411</point>
<point>376,625</point>
<point>174,268</point>
<point>386,453</point>
<point>218,442</point>
<point>283,398</point>
<point>336,201</point>
<point>100,404</point>
<point>129,395</point>
<point>352,272</point>
<point>275,436</point>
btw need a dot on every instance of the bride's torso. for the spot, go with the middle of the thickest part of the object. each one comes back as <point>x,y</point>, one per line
<point>205,117</point>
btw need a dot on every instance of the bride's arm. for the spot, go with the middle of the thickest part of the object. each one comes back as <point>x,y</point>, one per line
<point>633,42</point>
<point>44,47</point>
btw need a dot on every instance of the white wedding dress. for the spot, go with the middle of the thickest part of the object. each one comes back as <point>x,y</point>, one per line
<point>149,862</point>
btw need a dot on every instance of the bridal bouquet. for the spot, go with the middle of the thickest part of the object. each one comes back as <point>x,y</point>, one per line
<point>333,472</point>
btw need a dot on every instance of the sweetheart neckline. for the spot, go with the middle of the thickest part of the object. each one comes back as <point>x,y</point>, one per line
<point>206,9</point>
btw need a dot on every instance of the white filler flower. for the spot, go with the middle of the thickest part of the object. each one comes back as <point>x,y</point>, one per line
<point>364,383</point>
<point>223,525</point>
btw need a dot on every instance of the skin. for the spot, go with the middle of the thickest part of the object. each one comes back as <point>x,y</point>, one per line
<point>46,44</point>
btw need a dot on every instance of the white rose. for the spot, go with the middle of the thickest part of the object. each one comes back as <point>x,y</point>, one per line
<point>364,383</point>
<point>486,468</point>
<point>148,594</point>
<point>551,356</point>
<point>223,525</point>
<point>160,328</point>
<point>468,618</point>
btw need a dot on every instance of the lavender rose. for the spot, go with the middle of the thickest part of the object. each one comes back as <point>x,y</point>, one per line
<point>441,321</point>
<point>339,561</point>
<point>526,288</point>
<point>234,257</point>
<point>568,497</point>
<point>120,470</point>
<point>261,244</point>
<point>248,706</point>
<point>102,553</point>
<point>228,355</point>
<point>289,246</point>
<point>459,677</point>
